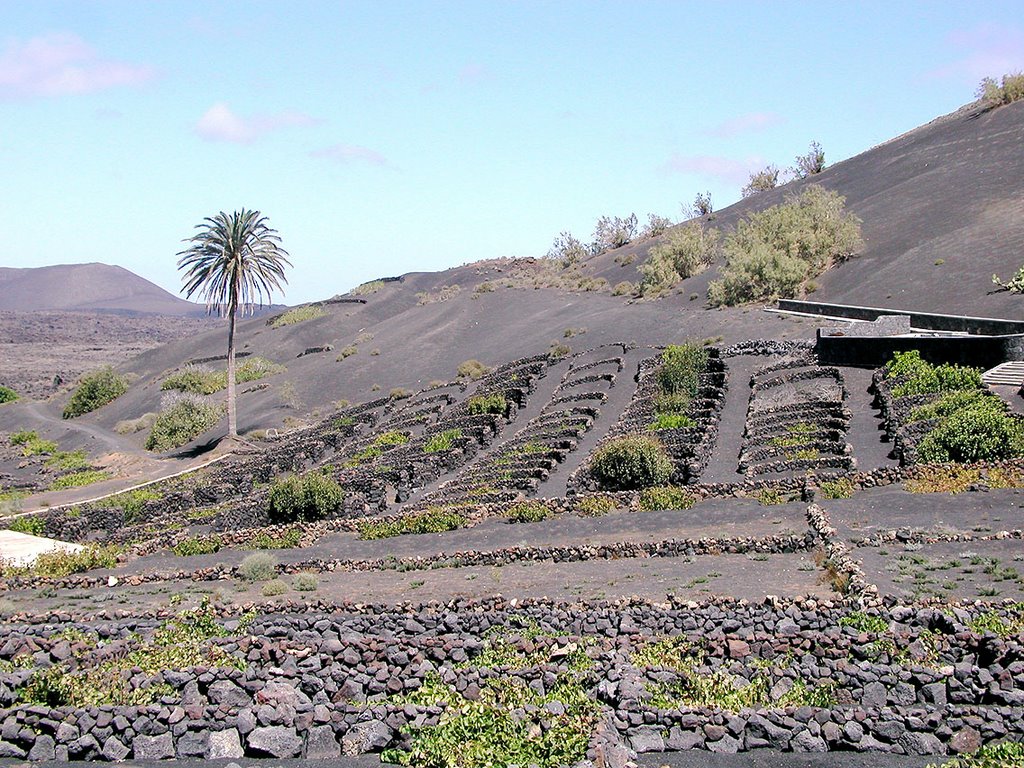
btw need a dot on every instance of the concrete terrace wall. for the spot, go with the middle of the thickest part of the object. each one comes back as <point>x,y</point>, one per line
<point>875,351</point>
<point>925,321</point>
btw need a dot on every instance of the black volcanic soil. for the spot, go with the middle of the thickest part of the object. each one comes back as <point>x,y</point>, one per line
<point>38,348</point>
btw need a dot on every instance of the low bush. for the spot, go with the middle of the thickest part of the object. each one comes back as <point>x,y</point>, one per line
<point>290,539</point>
<point>631,461</point>
<point>196,380</point>
<point>472,369</point>
<point>197,545</point>
<point>623,288</point>
<point>79,479</point>
<point>974,434</point>
<point>310,497</point>
<point>274,588</point>
<point>57,564</point>
<point>23,438</point>
<point>433,520</point>
<point>761,181</point>
<point>37,446</point>
<point>367,288</point>
<point>256,368</point>
<point>773,253</point>
<point>557,351</point>
<point>305,582</point>
<point>95,390</point>
<point>480,404</point>
<point>528,512</point>
<point>1006,754</point>
<point>840,488</point>
<point>133,502</point>
<point>400,393</point>
<point>68,461</point>
<point>259,566</point>
<point>442,441</point>
<point>685,252</point>
<point>670,421</point>
<point>348,351</point>
<point>7,395</point>
<point>995,93</point>
<point>952,402</point>
<point>681,367</point>
<point>666,497</point>
<point>614,232</point>
<point>298,315</point>
<point>33,525</point>
<point>182,419</point>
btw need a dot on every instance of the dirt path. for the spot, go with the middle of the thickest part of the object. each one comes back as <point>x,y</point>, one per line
<point>111,441</point>
<point>865,432</point>
<point>724,464</point>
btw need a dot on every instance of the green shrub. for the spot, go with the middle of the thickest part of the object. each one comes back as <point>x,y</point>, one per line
<point>57,564</point>
<point>24,437</point>
<point>940,378</point>
<point>528,512</point>
<point>256,368</point>
<point>196,380</point>
<point>391,438</point>
<point>614,232</point>
<point>442,441</point>
<point>907,363</point>
<point>79,479</point>
<point>259,566</point>
<point>974,434</point>
<point>772,253</point>
<point>95,390</point>
<point>182,420</point>
<point>671,421</point>
<point>348,351</point>
<point>197,545</point>
<point>623,288</point>
<point>367,288</point>
<point>7,395</point>
<point>681,367</point>
<point>274,588</point>
<point>953,402</point>
<point>400,393</point>
<point>33,525</point>
<point>287,540</point>
<point>433,520</point>
<point>761,181</point>
<point>39,447</point>
<point>133,502</point>
<point>67,461</point>
<point>472,369</point>
<point>298,315</point>
<point>631,461</point>
<point>557,351</point>
<point>310,497</point>
<point>305,582</point>
<point>1006,754</point>
<point>480,404</point>
<point>840,488</point>
<point>666,497</point>
<point>995,94</point>
<point>685,252</point>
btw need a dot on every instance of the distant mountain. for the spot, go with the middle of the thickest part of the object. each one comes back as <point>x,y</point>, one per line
<point>88,288</point>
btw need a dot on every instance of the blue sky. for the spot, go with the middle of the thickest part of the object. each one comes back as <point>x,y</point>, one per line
<point>387,137</point>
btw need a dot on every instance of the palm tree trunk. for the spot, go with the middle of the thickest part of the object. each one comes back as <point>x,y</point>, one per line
<point>232,418</point>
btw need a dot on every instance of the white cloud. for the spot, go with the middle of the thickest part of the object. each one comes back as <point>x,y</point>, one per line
<point>985,50</point>
<point>62,64</point>
<point>219,123</point>
<point>726,169</point>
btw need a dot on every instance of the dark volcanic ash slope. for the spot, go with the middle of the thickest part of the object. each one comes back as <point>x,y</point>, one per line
<point>942,209</point>
<point>88,288</point>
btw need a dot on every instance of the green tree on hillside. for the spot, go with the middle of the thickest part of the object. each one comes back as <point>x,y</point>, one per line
<point>234,262</point>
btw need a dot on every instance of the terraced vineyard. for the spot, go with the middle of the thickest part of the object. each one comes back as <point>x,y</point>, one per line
<point>450,567</point>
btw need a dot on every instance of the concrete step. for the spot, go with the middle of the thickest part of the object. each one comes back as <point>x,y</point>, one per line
<point>1008,374</point>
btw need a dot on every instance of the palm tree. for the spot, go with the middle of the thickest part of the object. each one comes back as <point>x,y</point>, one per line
<point>234,262</point>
